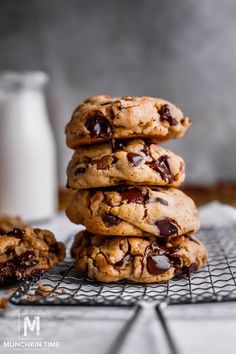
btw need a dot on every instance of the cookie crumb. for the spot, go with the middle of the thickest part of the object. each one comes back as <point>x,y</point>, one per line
<point>43,290</point>
<point>3,302</point>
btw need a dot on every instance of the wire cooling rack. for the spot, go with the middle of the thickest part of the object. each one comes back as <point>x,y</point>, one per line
<point>216,282</point>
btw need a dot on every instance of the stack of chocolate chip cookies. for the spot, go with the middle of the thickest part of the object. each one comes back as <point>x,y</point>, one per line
<point>138,225</point>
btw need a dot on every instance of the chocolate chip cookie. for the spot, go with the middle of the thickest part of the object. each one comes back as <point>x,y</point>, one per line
<point>27,252</point>
<point>124,162</point>
<point>134,211</point>
<point>142,260</point>
<point>100,118</point>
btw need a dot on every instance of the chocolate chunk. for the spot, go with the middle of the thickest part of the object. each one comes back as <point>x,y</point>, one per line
<point>98,125</point>
<point>16,233</point>
<point>27,259</point>
<point>162,166</point>
<point>145,150</point>
<point>126,259</point>
<point>193,267</point>
<point>2,232</point>
<point>110,220</point>
<point>158,264</point>
<point>34,273</point>
<point>22,264</point>
<point>10,252</point>
<point>19,263</point>
<point>7,270</point>
<point>134,159</point>
<point>176,261</point>
<point>80,170</point>
<point>134,195</point>
<point>165,245</point>
<point>114,160</point>
<point>160,247</point>
<point>161,201</point>
<point>188,269</point>
<point>167,227</point>
<point>86,159</point>
<point>107,102</point>
<point>55,248</point>
<point>164,112</point>
<point>28,273</point>
<point>117,145</point>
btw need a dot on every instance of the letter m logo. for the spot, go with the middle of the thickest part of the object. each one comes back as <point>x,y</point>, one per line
<point>31,324</point>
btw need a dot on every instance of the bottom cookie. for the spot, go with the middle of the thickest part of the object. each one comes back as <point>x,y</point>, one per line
<point>26,252</point>
<point>139,259</point>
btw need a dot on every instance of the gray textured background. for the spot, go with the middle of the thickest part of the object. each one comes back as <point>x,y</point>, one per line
<point>182,50</point>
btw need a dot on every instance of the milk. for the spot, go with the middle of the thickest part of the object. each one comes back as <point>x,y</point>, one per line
<point>28,185</point>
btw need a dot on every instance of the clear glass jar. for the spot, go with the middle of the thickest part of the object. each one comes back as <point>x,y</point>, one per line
<point>28,185</point>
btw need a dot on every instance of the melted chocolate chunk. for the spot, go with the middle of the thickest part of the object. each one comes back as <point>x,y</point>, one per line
<point>164,112</point>
<point>27,259</point>
<point>134,195</point>
<point>114,160</point>
<point>10,252</point>
<point>145,150</point>
<point>98,125</point>
<point>80,170</point>
<point>162,166</point>
<point>160,258</point>
<point>134,159</point>
<point>28,273</point>
<point>162,243</point>
<point>7,270</point>
<point>161,247</point>
<point>117,145</point>
<point>126,259</point>
<point>187,270</point>
<point>16,233</point>
<point>158,264</point>
<point>110,220</point>
<point>2,232</point>
<point>161,201</point>
<point>177,263</point>
<point>167,227</point>
<point>19,263</point>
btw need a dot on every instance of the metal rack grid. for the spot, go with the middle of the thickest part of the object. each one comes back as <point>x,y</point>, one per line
<point>216,282</point>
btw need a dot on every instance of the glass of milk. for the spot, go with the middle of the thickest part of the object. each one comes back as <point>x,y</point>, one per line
<point>28,183</point>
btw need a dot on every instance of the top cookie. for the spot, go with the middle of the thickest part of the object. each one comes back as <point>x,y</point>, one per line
<point>103,117</point>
